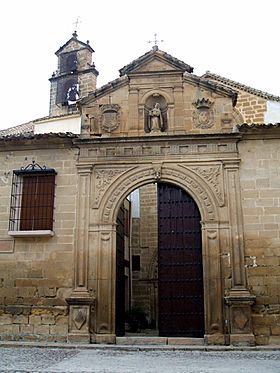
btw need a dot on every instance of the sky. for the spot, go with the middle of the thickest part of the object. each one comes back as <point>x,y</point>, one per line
<point>236,39</point>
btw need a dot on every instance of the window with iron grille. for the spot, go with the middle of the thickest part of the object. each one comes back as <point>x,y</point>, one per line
<point>32,200</point>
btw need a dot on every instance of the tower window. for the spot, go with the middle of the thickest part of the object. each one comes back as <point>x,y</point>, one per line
<point>32,201</point>
<point>68,62</point>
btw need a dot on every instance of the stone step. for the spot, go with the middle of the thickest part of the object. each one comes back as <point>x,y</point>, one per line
<point>159,341</point>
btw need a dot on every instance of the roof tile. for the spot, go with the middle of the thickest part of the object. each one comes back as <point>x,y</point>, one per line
<point>243,87</point>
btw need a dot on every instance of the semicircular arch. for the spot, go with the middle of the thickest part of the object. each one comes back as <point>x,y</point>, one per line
<point>167,97</point>
<point>146,174</point>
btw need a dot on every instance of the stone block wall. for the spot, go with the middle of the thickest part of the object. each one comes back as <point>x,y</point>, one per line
<point>33,323</point>
<point>36,273</point>
<point>252,108</point>
<point>144,243</point>
<point>260,192</point>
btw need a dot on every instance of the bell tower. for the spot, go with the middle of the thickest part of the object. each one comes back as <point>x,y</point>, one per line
<point>75,76</point>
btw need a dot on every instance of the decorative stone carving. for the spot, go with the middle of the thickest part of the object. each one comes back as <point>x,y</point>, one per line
<point>120,151</point>
<point>226,119</point>
<point>149,174</point>
<point>103,179</point>
<point>80,310</point>
<point>211,234</point>
<point>110,117</point>
<point>5,178</point>
<point>213,175</point>
<point>157,170</point>
<point>240,320</point>
<point>79,317</point>
<point>203,117</point>
<point>240,302</point>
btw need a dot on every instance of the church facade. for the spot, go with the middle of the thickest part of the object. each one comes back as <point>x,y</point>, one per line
<point>160,182</point>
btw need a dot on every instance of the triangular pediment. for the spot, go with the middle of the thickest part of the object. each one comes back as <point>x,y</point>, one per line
<point>73,44</point>
<point>154,65</point>
<point>155,61</point>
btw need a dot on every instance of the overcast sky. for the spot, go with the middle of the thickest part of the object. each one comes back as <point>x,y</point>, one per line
<point>236,39</point>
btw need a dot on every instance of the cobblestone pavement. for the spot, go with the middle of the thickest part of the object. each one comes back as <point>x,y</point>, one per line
<point>52,360</point>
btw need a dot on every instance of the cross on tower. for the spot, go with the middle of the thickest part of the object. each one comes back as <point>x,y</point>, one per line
<point>76,23</point>
<point>155,41</point>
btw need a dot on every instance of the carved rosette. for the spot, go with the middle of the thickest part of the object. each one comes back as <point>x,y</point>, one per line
<point>213,176</point>
<point>203,116</point>
<point>110,117</point>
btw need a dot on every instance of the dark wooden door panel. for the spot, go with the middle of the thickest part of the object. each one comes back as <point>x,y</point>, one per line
<point>181,308</point>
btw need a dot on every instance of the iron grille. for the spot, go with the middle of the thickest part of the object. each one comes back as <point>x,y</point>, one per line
<point>32,198</point>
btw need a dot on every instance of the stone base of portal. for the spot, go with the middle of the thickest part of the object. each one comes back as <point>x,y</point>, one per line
<point>79,321</point>
<point>215,339</point>
<point>239,302</point>
<point>103,338</point>
<point>242,340</point>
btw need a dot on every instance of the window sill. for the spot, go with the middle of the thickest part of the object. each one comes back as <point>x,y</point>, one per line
<point>39,233</point>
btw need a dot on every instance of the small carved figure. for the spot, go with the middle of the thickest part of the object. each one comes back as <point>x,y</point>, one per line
<point>155,120</point>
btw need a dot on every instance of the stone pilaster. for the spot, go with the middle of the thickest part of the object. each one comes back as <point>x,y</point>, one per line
<point>80,301</point>
<point>106,274</point>
<point>239,298</point>
<point>178,109</point>
<point>133,120</point>
<point>212,283</point>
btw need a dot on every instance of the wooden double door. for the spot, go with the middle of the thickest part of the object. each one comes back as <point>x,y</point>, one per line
<point>180,273</point>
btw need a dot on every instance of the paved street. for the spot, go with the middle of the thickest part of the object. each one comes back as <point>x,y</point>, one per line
<point>26,359</point>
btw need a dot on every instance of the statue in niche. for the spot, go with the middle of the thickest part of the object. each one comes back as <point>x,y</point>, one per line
<point>155,121</point>
<point>155,114</point>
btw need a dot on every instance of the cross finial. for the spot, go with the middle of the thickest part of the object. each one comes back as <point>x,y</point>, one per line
<point>76,26</point>
<point>155,41</point>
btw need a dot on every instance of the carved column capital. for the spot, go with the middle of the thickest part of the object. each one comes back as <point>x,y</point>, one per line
<point>84,168</point>
<point>232,164</point>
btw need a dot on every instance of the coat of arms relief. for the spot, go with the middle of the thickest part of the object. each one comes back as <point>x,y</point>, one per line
<point>110,117</point>
<point>203,116</point>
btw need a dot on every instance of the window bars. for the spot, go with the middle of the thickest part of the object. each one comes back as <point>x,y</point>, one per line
<point>32,198</point>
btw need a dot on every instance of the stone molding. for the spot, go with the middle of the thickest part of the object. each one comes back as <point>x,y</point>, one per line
<point>118,189</point>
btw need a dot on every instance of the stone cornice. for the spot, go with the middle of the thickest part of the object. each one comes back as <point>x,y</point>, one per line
<point>78,72</point>
<point>144,140</point>
<point>212,86</point>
